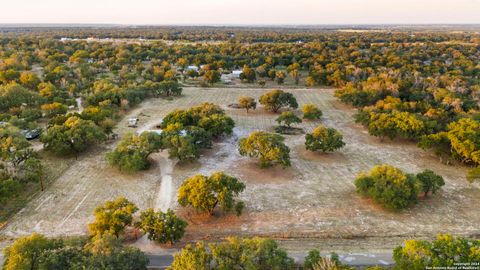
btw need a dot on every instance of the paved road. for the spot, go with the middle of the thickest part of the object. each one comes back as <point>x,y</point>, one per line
<point>354,259</point>
<point>360,259</point>
<point>159,261</point>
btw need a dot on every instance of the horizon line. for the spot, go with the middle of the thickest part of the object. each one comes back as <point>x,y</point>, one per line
<point>40,24</point>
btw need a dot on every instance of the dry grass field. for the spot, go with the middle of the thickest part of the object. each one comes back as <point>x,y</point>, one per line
<point>315,199</point>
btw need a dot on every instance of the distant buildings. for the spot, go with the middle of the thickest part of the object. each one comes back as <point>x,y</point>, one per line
<point>194,68</point>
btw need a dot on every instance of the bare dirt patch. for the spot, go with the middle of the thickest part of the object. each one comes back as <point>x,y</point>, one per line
<point>251,171</point>
<point>320,156</point>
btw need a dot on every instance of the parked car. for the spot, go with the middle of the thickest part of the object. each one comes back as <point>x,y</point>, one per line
<point>31,134</point>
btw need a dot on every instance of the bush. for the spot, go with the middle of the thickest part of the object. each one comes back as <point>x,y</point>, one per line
<point>288,118</point>
<point>430,182</point>
<point>324,139</point>
<point>162,227</point>
<point>54,109</point>
<point>389,186</point>
<point>247,103</point>
<point>31,114</point>
<point>311,112</point>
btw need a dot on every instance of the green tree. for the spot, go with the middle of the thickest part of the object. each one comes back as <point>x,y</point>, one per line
<point>395,124</point>
<point>193,258</point>
<point>132,153</point>
<point>388,186</point>
<point>430,182</point>
<point>445,251</point>
<point>311,112</point>
<point>248,74</point>
<point>192,73</point>
<point>9,76</point>
<point>65,257</point>
<point>19,163</point>
<point>54,109</point>
<point>162,227</point>
<point>254,253</point>
<point>26,252</point>
<point>31,115</point>
<point>288,118</point>
<point>211,76</point>
<point>464,137</point>
<point>170,88</point>
<point>14,95</point>
<point>181,146</point>
<point>186,132</point>
<point>79,56</point>
<point>324,139</point>
<point>277,99</point>
<point>272,73</point>
<point>235,253</point>
<point>247,103</point>
<point>35,252</point>
<point>204,193</point>
<point>107,252</point>
<point>29,80</point>
<point>269,148</point>
<point>113,217</point>
<point>295,75</point>
<point>461,140</point>
<point>473,175</point>
<point>217,124</point>
<point>75,135</point>
<point>312,258</point>
<point>280,76</point>
<point>382,125</point>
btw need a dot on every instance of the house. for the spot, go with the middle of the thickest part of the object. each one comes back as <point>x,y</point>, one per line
<point>236,73</point>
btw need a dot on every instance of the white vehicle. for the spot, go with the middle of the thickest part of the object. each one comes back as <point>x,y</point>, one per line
<point>132,122</point>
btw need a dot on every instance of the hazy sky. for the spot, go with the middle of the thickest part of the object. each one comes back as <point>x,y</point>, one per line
<point>240,11</point>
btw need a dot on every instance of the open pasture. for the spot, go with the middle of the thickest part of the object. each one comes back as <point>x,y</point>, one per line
<point>313,199</point>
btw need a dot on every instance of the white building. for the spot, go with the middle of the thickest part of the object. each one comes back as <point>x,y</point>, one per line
<point>195,68</point>
<point>236,73</point>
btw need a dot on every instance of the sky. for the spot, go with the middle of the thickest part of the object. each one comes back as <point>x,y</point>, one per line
<point>241,12</point>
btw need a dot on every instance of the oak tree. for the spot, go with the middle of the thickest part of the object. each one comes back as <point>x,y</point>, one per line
<point>268,147</point>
